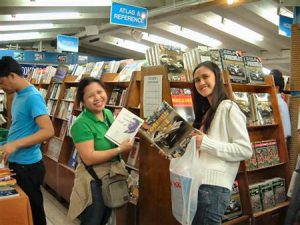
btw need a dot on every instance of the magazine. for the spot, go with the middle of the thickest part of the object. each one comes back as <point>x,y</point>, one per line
<point>168,131</point>
<point>125,126</point>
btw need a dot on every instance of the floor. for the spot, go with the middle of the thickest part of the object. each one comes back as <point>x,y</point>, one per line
<point>56,213</point>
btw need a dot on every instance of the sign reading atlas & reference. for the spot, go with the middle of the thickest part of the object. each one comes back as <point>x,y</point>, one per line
<point>128,15</point>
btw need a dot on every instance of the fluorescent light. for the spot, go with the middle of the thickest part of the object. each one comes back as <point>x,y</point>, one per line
<point>265,10</point>
<point>230,27</point>
<point>26,27</point>
<point>72,3</point>
<point>161,40</point>
<point>133,46</point>
<point>194,36</point>
<point>19,36</point>
<point>266,71</point>
<point>46,16</point>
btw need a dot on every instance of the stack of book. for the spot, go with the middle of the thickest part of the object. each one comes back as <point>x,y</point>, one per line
<point>257,107</point>
<point>265,153</point>
<point>6,183</point>
<point>267,194</point>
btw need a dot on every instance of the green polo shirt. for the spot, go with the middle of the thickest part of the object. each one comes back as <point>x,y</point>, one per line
<point>88,127</point>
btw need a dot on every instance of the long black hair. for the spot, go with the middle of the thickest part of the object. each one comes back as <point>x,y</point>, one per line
<point>83,83</point>
<point>201,104</point>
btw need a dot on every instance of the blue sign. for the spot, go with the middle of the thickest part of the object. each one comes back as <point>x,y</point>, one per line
<point>285,24</point>
<point>128,15</point>
<point>67,43</point>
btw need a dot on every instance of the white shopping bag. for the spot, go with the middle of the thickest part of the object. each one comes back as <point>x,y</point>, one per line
<point>185,182</point>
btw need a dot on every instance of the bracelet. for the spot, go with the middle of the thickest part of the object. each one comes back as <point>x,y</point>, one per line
<point>118,150</point>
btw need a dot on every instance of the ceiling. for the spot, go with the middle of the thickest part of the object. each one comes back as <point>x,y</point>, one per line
<point>207,17</point>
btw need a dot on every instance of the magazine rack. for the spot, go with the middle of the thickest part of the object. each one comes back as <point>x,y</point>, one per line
<point>155,196</point>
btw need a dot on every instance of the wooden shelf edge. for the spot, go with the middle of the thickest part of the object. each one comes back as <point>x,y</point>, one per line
<point>266,168</point>
<point>278,206</point>
<point>50,157</point>
<point>67,167</point>
<point>262,126</point>
<point>115,106</point>
<point>237,220</point>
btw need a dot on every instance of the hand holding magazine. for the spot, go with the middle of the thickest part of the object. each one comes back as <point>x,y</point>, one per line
<point>168,131</point>
<point>125,126</point>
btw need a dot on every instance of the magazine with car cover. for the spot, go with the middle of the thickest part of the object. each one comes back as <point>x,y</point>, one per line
<point>166,129</point>
<point>254,69</point>
<point>211,55</point>
<point>125,126</point>
<point>243,101</point>
<point>172,57</point>
<point>232,61</point>
<point>264,109</point>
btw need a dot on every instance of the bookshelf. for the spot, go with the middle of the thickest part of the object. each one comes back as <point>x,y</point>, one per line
<point>154,169</point>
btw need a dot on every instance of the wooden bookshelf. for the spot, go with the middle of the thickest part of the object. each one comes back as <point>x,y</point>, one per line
<point>155,196</point>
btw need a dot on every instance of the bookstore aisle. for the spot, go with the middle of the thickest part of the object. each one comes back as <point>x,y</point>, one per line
<point>56,213</point>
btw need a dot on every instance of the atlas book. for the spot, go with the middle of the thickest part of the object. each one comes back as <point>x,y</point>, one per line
<point>125,126</point>
<point>254,69</point>
<point>168,131</point>
<point>232,61</point>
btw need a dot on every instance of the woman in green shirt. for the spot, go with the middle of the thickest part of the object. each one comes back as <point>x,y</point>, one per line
<point>88,135</point>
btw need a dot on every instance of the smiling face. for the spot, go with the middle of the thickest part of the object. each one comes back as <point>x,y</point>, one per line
<point>94,97</point>
<point>205,81</point>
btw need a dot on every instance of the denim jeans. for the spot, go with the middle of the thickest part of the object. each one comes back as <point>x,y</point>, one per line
<point>97,213</point>
<point>212,203</point>
<point>29,178</point>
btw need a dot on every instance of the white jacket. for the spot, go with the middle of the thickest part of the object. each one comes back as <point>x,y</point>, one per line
<point>225,145</point>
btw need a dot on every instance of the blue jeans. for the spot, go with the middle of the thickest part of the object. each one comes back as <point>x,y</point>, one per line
<point>212,203</point>
<point>97,213</point>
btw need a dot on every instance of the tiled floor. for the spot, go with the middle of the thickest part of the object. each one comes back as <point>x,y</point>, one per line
<point>56,213</point>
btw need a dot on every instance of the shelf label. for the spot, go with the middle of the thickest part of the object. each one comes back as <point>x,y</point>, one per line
<point>128,15</point>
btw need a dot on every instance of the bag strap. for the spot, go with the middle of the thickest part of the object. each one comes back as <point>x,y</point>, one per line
<point>92,172</point>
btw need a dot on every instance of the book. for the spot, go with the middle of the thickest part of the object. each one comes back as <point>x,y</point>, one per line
<point>10,182</point>
<point>54,148</point>
<point>133,186</point>
<point>243,101</point>
<point>61,72</point>
<point>279,189</point>
<point>235,207</point>
<point>167,130</point>
<point>267,195</point>
<point>263,108</point>
<point>8,192</point>
<point>254,69</point>
<point>232,61</point>
<point>125,126</point>
<point>254,192</point>
<point>134,154</point>
<point>63,129</point>
<point>73,159</point>
<point>183,103</point>
<point>251,164</point>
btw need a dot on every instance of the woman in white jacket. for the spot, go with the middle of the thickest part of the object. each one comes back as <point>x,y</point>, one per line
<point>224,143</point>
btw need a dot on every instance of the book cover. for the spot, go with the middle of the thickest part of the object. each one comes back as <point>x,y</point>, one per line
<point>73,159</point>
<point>61,72</point>
<point>232,61</point>
<point>134,154</point>
<point>63,129</point>
<point>262,154</point>
<point>8,192</point>
<point>171,56</point>
<point>279,189</point>
<point>267,195</point>
<point>54,148</point>
<point>183,103</point>
<point>262,102</point>
<point>125,126</point>
<point>251,164</point>
<point>254,192</point>
<point>254,69</point>
<point>243,101</point>
<point>235,207</point>
<point>211,55</point>
<point>167,130</point>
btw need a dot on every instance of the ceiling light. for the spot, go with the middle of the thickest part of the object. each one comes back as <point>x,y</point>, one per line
<point>19,36</point>
<point>46,16</point>
<point>265,10</point>
<point>73,2</point>
<point>230,27</point>
<point>194,36</point>
<point>133,46</point>
<point>26,27</point>
<point>161,40</point>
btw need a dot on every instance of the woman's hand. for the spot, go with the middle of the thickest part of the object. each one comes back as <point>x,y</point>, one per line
<point>198,141</point>
<point>126,146</point>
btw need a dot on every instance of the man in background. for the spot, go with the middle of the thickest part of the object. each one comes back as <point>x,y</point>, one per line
<point>30,126</point>
<point>283,107</point>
